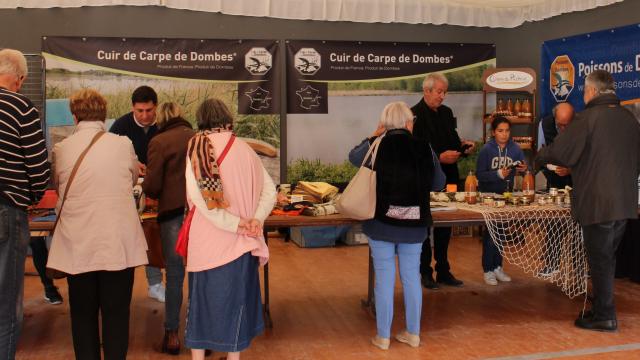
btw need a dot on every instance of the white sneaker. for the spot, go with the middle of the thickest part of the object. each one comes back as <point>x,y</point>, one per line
<point>501,275</point>
<point>490,278</point>
<point>157,292</point>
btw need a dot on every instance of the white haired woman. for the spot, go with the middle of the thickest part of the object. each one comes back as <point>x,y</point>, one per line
<point>406,171</point>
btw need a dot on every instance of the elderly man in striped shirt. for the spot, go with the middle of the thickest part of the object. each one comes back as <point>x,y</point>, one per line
<point>24,175</point>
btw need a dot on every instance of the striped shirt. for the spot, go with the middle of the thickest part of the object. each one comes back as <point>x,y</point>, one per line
<point>24,169</point>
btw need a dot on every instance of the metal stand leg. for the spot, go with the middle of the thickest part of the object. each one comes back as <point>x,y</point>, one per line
<point>369,303</point>
<point>267,311</point>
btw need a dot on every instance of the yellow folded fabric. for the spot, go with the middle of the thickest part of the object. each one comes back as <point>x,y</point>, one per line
<point>321,190</point>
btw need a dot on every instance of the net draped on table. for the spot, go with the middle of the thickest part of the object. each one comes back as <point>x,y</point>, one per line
<point>544,240</point>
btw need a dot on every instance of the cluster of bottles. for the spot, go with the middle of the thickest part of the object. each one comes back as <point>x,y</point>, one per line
<point>520,108</point>
<point>471,188</point>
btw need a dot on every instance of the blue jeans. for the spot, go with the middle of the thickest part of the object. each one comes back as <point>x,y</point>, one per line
<point>491,258</point>
<point>384,263</point>
<point>174,271</point>
<point>14,239</point>
<point>154,275</point>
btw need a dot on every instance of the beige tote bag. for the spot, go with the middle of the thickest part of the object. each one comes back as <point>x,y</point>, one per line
<point>358,201</point>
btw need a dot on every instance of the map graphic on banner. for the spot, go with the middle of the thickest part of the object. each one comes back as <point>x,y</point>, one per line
<point>186,71</point>
<point>567,61</point>
<point>336,91</point>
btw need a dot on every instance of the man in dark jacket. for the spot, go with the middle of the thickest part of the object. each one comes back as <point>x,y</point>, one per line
<point>563,113</point>
<point>140,126</point>
<point>602,149</point>
<point>435,123</point>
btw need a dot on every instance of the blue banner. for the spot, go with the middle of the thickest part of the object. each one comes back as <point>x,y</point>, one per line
<point>567,61</point>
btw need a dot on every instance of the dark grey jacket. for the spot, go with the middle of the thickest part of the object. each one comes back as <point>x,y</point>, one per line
<point>602,148</point>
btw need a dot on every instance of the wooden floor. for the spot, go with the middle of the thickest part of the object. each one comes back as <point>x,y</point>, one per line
<point>315,303</point>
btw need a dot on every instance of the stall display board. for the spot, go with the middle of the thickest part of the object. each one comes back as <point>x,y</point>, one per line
<point>242,73</point>
<point>336,91</point>
<point>567,61</point>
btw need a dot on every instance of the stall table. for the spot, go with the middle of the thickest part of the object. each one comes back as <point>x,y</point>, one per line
<point>448,218</point>
<point>457,217</point>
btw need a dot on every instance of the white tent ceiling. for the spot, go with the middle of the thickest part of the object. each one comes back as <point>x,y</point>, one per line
<point>484,13</point>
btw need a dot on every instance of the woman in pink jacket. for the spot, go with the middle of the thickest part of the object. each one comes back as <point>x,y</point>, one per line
<point>98,240</point>
<point>232,194</point>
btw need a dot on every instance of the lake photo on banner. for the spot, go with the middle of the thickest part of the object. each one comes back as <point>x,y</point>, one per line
<point>330,137</point>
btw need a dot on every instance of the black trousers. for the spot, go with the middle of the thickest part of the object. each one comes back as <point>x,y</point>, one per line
<point>441,236</point>
<point>39,255</point>
<point>601,241</point>
<point>104,293</point>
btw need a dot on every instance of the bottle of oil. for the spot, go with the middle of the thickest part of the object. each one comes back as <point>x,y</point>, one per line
<point>471,189</point>
<point>526,107</point>
<point>507,191</point>
<point>517,108</point>
<point>528,186</point>
<point>510,107</point>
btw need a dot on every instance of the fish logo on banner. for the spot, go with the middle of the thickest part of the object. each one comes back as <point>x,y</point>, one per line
<point>258,61</point>
<point>307,61</point>
<point>562,77</point>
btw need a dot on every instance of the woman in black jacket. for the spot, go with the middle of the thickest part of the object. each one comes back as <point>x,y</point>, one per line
<point>404,172</point>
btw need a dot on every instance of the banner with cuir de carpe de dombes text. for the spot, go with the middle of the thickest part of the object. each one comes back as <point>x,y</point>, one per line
<point>242,73</point>
<point>567,61</point>
<point>336,91</point>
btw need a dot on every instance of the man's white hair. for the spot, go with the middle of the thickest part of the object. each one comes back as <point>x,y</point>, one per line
<point>602,81</point>
<point>396,115</point>
<point>12,62</point>
<point>431,79</point>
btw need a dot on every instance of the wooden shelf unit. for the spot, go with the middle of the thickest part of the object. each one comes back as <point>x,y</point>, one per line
<point>519,82</point>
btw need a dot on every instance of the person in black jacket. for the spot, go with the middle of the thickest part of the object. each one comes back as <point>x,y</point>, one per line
<point>550,126</point>
<point>602,149</point>
<point>435,123</point>
<point>404,174</point>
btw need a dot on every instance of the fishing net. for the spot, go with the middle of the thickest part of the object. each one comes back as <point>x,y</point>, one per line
<point>543,240</point>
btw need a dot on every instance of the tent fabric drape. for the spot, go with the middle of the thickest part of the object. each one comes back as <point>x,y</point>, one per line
<point>481,13</point>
